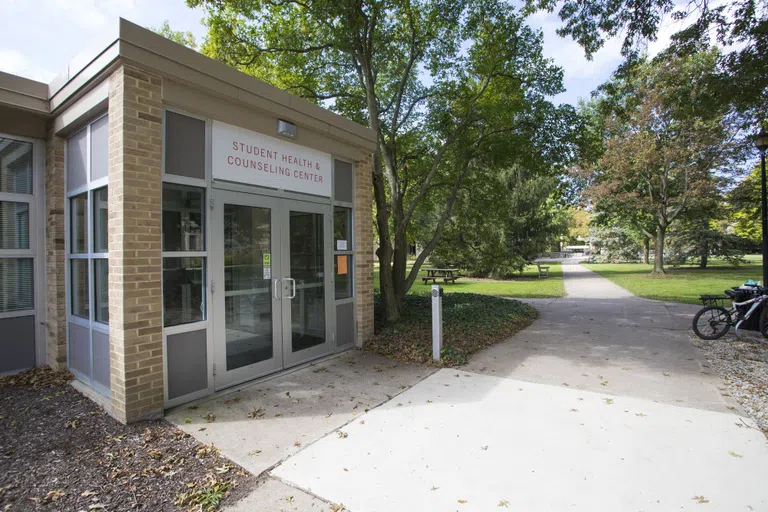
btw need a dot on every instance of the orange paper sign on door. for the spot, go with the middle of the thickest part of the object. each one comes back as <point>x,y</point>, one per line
<point>341,264</point>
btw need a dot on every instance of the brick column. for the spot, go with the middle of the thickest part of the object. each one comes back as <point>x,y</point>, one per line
<point>135,263</point>
<point>364,247</point>
<point>55,258</point>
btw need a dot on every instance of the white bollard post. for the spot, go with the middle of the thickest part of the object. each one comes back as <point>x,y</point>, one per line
<point>437,321</point>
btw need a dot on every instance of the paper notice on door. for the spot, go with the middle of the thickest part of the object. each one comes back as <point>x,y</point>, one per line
<point>267,259</point>
<point>267,272</point>
<point>341,264</point>
<point>341,245</point>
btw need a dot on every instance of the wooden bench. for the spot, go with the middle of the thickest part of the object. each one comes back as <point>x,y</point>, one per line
<point>543,270</point>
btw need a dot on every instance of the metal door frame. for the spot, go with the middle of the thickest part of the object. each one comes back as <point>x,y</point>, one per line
<point>223,378</point>
<point>329,346</point>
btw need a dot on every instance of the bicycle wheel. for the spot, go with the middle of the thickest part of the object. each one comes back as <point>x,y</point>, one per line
<point>712,322</point>
<point>764,320</point>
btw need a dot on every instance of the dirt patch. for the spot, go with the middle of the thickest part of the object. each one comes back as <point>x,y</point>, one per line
<point>471,322</point>
<point>59,451</point>
<point>743,366</point>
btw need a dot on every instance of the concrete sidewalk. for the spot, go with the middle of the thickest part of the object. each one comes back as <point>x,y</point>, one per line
<point>602,404</point>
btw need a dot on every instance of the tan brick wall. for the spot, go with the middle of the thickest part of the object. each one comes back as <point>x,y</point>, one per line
<point>364,247</point>
<point>55,259</point>
<point>135,263</point>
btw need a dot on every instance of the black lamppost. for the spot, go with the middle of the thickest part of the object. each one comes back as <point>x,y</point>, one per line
<point>762,145</point>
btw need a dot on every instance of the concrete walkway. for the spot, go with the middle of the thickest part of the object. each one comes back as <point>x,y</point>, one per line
<point>603,404</point>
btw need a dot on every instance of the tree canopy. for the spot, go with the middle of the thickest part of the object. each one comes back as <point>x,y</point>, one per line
<point>451,88</point>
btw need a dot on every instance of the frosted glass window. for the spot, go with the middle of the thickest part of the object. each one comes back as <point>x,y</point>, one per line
<point>99,148</point>
<point>184,145</point>
<point>15,166</point>
<point>77,160</point>
<point>342,181</point>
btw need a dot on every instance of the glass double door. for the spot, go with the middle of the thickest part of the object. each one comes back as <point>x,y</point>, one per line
<point>272,294</point>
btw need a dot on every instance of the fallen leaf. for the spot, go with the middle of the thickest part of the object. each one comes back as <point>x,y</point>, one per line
<point>187,420</point>
<point>462,501</point>
<point>342,435</point>
<point>210,417</point>
<point>700,499</point>
<point>734,454</point>
<point>608,401</point>
<point>503,503</point>
<point>296,444</point>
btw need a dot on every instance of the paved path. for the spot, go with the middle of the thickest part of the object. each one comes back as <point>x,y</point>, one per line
<point>602,405</point>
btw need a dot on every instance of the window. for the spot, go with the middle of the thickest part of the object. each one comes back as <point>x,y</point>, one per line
<point>87,241</point>
<point>183,255</point>
<point>342,247</point>
<point>20,164</point>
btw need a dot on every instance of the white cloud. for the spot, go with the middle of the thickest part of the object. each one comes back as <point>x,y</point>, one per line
<point>16,63</point>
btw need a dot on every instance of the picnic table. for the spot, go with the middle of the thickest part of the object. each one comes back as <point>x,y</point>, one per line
<point>448,275</point>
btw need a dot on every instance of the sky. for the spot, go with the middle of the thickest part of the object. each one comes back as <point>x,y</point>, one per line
<point>40,37</point>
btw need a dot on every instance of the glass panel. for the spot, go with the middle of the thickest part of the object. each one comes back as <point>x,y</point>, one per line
<point>77,160</point>
<point>342,229</point>
<point>79,289</point>
<point>17,284</point>
<point>14,225</point>
<point>99,148</point>
<point>247,290</point>
<point>100,287</point>
<point>184,145</point>
<point>342,267</point>
<point>183,218</point>
<point>78,229</point>
<point>342,181</point>
<point>100,220</point>
<point>307,269</point>
<point>183,290</point>
<point>15,166</point>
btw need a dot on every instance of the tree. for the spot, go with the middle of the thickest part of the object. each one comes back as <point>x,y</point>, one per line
<point>667,133</point>
<point>744,204</point>
<point>503,221</point>
<point>740,26</point>
<point>177,36</point>
<point>449,87</point>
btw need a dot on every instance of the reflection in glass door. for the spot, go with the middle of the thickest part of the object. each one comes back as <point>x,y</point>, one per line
<point>248,306</point>
<point>247,294</point>
<point>306,300</point>
<point>307,277</point>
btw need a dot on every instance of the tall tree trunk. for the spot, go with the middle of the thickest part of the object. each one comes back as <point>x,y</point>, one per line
<point>704,254</point>
<point>387,290</point>
<point>647,250</point>
<point>658,253</point>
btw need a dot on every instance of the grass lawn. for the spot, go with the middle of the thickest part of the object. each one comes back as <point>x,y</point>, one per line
<point>471,322</point>
<point>682,284</point>
<point>527,286</point>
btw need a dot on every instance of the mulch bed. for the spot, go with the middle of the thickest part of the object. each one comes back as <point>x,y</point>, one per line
<point>60,451</point>
<point>471,322</point>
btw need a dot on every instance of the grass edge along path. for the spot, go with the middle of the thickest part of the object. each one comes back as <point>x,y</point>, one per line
<point>526,286</point>
<point>682,284</point>
<point>471,322</point>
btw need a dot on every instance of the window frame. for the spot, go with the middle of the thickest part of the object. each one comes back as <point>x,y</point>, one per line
<point>89,189</point>
<point>207,323</point>
<point>351,242</point>
<point>36,249</point>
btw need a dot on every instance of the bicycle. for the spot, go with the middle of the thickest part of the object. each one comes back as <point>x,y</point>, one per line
<point>714,321</point>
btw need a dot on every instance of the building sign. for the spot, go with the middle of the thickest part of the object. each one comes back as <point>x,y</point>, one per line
<point>246,156</point>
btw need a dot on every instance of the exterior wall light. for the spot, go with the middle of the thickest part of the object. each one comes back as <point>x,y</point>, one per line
<point>286,129</point>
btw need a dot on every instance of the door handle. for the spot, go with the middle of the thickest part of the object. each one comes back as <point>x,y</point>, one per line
<point>274,288</point>
<point>293,287</point>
